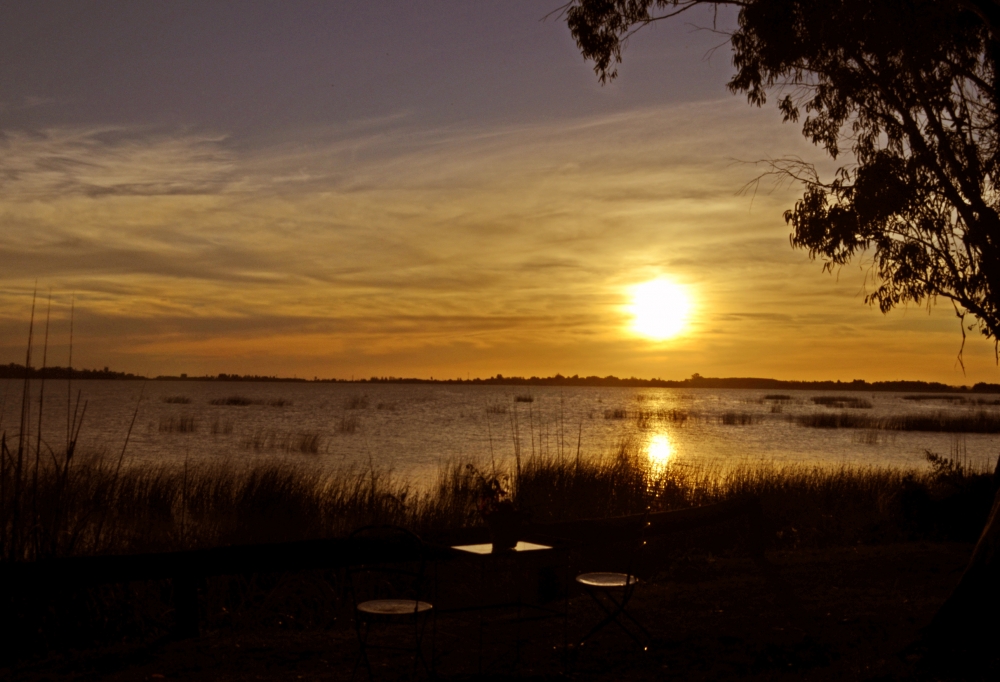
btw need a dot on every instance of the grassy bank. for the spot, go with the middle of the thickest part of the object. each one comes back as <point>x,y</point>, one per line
<point>93,505</point>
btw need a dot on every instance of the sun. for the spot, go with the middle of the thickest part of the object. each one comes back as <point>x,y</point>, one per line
<point>659,450</point>
<point>660,309</point>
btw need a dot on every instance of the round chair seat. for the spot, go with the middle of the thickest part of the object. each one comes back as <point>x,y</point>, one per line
<point>394,607</point>
<point>606,579</point>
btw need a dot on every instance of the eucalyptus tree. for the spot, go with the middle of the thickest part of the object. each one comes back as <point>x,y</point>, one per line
<point>905,93</point>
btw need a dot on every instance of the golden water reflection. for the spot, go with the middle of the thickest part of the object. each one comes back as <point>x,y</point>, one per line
<point>659,450</point>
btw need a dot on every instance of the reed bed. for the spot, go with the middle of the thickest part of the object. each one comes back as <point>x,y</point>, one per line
<point>739,418</point>
<point>647,418</point>
<point>178,424</point>
<point>356,402</point>
<point>954,399</point>
<point>842,402</point>
<point>97,507</point>
<point>221,427</point>
<point>235,400</point>
<point>524,399</point>
<point>284,441</point>
<point>975,422</point>
<point>177,399</point>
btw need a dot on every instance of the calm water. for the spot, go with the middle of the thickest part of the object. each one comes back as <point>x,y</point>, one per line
<point>414,429</point>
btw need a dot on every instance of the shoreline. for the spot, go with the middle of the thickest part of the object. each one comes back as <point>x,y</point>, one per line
<point>17,372</point>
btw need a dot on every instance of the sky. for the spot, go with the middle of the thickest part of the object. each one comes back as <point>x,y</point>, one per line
<point>434,189</point>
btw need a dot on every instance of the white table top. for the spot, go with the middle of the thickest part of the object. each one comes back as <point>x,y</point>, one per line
<point>487,548</point>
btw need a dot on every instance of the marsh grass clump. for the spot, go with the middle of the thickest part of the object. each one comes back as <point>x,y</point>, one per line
<point>221,427</point>
<point>842,402</point>
<point>738,418</point>
<point>496,408</point>
<point>178,424</point>
<point>673,416</point>
<point>616,414</point>
<point>386,406</point>
<point>524,398</point>
<point>309,443</point>
<point>778,398</point>
<point>874,437</point>
<point>177,399</point>
<point>977,422</point>
<point>347,424</point>
<point>235,400</point>
<point>356,402</point>
<point>953,399</point>
<point>279,402</point>
<point>284,441</point>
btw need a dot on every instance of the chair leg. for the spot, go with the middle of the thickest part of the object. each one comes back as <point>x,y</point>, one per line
<point>362,629</point>
<point>614,615</point>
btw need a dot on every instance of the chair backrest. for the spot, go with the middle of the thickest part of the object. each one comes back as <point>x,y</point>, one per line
<point>623,553</point>
<point>390,564</point>
<point>637,549</point>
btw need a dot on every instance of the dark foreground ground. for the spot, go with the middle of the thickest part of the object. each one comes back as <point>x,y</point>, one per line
<point>846,613</point>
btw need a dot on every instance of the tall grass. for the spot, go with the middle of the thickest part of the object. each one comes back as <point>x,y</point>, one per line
<point>102,509</point>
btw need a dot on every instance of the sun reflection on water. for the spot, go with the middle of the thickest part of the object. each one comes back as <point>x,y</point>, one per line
<point>659,450</point>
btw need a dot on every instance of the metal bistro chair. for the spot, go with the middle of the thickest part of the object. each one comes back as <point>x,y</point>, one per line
<point>612,591</point>
<point>387,592</point>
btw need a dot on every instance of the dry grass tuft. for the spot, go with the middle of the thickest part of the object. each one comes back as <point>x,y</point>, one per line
<point>356,402</point>
<point>181,424</point>
<point>347,424</point>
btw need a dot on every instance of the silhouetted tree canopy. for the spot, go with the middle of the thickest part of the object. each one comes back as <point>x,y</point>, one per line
<point>909,87</point>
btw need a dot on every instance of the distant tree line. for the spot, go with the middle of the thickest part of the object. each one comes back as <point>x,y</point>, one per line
<point>16,371</point>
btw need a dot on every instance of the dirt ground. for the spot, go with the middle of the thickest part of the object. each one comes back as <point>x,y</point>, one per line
<point>846,613</point>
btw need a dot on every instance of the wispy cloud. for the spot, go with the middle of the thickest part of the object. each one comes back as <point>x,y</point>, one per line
<point>386,249</point>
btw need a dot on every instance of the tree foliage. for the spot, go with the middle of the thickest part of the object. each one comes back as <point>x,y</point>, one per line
<point>910,88</point>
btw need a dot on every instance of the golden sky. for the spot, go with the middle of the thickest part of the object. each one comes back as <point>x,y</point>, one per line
<point>410,244</point>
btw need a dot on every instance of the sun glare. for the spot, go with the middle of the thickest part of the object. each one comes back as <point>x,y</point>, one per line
<point>660,309</point>
<point>659,450</point>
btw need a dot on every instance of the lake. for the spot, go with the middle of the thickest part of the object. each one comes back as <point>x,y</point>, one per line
<point>414,429</point>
